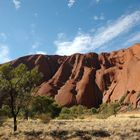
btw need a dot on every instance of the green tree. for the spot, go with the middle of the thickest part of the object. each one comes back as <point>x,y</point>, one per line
<point>44,105</point>
<point>18,84</point>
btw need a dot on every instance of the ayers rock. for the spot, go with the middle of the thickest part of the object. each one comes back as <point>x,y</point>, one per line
<point>89,79</point>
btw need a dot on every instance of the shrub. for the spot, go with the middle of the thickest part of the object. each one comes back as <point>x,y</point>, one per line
<point>107,110</point>
<point>123,97</point>
<point>104,111</point>
<point>74,112</point>
<point>66,116</point>
<point>65,110</point>
<point>45,118</point>
<point>102,107</point>
<point>65,113</point>
<point>44,105</point>
<point>54,109</point>
<point>78,110</point>
<point>138,95</point>
<point>5,111</point>
<point>40,104</point>
<point>129,107</point>
<point>2,120</point>
<point>94,110</point>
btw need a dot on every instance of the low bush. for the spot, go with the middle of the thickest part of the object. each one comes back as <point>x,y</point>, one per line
<point>129,107</point>
<point>45,118</point>
<point>94,110</point>
<point>123,97</point>
<point>74,112</point>
<point>2,120</point>
<point>107,110</point>
<point>104,111</point>
<point>138,95</point>
<point>4,114</point>
<point>5,111</point>
<point>44,105</point>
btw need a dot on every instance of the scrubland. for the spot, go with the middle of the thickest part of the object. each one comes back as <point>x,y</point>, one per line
<point>125,126</point>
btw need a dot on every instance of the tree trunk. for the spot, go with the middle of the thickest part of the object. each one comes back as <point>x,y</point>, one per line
<point>26,115</point>
<point>15,122</point>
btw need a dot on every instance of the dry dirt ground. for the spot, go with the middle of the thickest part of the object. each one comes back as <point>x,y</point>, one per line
<point>122,127</point>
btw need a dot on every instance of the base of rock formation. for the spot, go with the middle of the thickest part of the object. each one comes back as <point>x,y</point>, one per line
<point>89,79</point>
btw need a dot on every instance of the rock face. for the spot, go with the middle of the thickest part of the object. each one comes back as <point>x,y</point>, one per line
<point>89,79</point>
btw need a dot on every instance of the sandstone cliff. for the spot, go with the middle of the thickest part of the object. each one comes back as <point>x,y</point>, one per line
<point>89,79</point>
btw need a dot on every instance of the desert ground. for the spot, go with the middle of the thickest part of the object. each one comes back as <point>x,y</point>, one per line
<point>125,126</point>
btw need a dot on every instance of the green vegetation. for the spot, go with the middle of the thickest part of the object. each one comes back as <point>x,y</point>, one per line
<point>5,111</point>
<point>129,107</point>
<point>94,110</point>
<point>107,110</point>
<point>45,117</point>
<point>104,111</point>
<point>18,84</point>
<point>4,114</point>
<point>78,111</point>
<point>138,95</point>
<point>123,97</point>
<point>44,105</point>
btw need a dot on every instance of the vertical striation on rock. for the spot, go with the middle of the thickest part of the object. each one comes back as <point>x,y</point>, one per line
<point>89,79</point>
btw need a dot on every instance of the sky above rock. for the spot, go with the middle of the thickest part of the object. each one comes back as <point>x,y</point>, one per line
<point>65,27</point>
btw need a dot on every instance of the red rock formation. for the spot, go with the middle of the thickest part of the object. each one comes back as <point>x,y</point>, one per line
<point>89,79</point>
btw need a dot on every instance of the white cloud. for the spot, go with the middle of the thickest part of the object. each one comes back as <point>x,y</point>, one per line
<point>103,35</point>
<point>71,3</point>
<point>17,3</point>
<point>35,48</point>
<point>96,17</point>
<point>4,53</point>
<point>79,44</point>
<point>36,45</point>
<point>132,39</point>
<point>61,36</point>
<point>40,52</point>
<point>97,1</point>
<point>101,17</point>
<point>3,36</point>
<point>92,30</point>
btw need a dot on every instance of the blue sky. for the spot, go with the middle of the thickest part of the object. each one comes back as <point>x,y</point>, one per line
<point>65,27</point>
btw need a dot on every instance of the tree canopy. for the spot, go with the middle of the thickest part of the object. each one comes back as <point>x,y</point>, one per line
<point>17,84</point>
